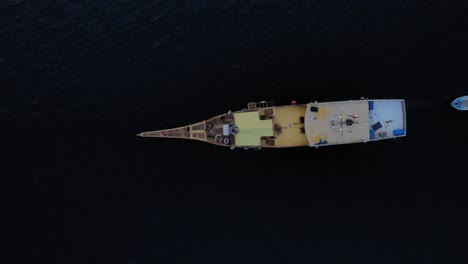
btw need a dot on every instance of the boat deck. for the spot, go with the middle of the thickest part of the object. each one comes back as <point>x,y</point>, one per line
<point>210,131</point>
<point>337,122</point>
<point>288,122</point>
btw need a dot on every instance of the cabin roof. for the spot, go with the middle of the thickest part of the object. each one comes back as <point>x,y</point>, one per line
<point>251,128</point>
<point>337,122</point>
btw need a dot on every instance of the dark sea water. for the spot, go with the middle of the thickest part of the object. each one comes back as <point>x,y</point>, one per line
<point>80,78</point>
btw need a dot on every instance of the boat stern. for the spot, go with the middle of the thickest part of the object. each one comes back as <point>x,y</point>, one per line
<point>387,119</point>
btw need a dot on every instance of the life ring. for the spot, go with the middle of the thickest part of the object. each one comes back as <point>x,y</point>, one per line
<point>226,141</point>
<point>218,138</point>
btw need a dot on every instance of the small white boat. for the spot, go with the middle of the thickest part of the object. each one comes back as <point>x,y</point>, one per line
<point>461,103</point>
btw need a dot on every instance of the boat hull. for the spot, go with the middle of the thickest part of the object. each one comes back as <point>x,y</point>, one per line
<point>264,125</point>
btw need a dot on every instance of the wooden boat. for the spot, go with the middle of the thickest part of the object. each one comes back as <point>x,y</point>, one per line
<point>461,103</point>
<point>264,125</point>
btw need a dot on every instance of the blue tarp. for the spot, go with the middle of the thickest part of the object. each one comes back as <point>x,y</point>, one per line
<point>398,132</point>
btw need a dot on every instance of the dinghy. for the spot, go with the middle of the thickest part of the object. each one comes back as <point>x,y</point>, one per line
<point>461,103</point>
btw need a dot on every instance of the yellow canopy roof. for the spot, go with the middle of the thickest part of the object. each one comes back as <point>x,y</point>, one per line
<point>251,128</point>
